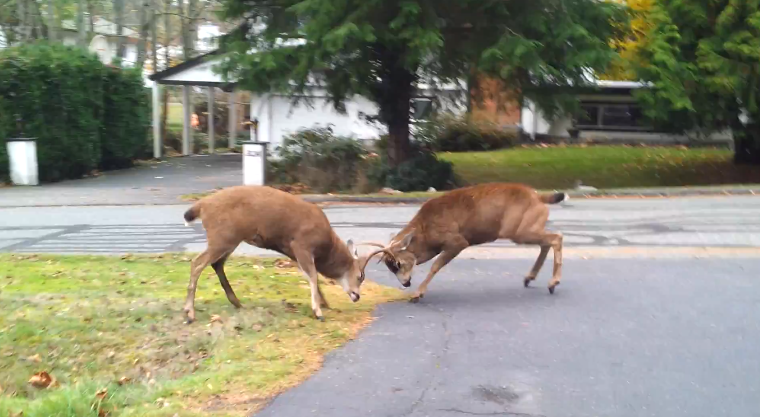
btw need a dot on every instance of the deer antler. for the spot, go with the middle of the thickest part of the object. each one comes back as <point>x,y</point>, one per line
<point>383,249</point>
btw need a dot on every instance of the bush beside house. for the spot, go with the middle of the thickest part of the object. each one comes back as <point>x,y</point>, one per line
<point>83,114</point>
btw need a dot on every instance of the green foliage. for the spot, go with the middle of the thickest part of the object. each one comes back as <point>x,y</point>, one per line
<point>380,49</point>
<point>704,58</point>
<point>57,91</point>
<point>420,172</point>
<point>4,168</point>
<point>319,159</point>
<point>462,134</point>
<point>126,118</point>
<point>69,102</point>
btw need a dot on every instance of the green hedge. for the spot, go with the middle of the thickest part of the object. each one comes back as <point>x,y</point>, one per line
<point>84,114</point>
<point>125,118</point>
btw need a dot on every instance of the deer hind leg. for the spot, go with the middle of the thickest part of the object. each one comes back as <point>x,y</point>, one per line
<point>306,263</point>
<point>531,231</point>
<point>219,269</point>
<point>212,254</point>
<point>449,252</point>
<point>537,266</point>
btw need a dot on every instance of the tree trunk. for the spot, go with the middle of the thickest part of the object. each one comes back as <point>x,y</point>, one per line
<point>142,48</point>
<point>399,147</point>
<point>51,29</point>
<point>192,27</point>
<point>184,30</point>
<point>22,14</point>
<point>167,64</point>
<point>81,32</point>
<point>746,144</point>
<point>154,37</point>
<point>91,16</point>
<point>118,7</point>
<point>394,95</point>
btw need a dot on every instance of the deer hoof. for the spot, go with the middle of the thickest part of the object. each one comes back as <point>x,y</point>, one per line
<point>526,281</point>
<point>416,298</point>
<point>321,318</point>
<point>551,288</point>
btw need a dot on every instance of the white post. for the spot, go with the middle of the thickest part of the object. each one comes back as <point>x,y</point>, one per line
<point>254,163</point>
<point>22,158</point>
<point>232,114</point>
<point>186,132</point>
<point>156,120</point>
<point>211,139</point>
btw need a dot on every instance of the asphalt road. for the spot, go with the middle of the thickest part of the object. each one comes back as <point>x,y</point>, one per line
<point>658,312</point>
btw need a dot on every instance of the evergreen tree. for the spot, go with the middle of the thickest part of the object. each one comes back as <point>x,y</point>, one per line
<point>381,48</point>
<point>703,57</point>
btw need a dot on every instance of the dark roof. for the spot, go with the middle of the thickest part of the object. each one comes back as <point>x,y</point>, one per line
<point>183,66</point>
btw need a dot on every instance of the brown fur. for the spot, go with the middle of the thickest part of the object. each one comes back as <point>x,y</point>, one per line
<point>271,219</point>
<point>446,225</point>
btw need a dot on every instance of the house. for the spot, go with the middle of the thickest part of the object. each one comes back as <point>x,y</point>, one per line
<point>275,114</point>
<point>609,113</point>
<point>104,39</point>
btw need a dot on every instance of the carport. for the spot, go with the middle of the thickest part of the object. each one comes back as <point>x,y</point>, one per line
<point>196,72</point>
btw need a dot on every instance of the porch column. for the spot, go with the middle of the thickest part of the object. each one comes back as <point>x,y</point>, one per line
<point>156,120</point>
<point>211,141</point>
<point>186,128</point>
<point>232,115</point>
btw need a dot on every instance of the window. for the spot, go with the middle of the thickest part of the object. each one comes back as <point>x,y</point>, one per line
<point>611,116</point>
<point>421,108</point>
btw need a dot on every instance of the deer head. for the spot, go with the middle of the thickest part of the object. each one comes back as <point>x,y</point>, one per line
<point>396,256</point>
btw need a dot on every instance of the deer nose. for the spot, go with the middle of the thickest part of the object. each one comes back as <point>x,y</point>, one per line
<point>354,296</point>
<point>407,284</point>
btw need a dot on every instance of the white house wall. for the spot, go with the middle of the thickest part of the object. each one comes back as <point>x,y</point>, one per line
<point>202,73</point>
<point>278,117</point>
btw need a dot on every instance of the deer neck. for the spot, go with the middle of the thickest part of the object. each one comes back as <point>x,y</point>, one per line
<point>337,259</point>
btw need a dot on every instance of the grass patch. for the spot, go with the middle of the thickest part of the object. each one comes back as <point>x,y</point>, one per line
<point>114,326</point>
<point>603,167</point>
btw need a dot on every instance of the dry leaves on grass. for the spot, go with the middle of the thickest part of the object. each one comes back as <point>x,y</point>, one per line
<point>215,318</point>
<point>41,380</point>
<point>284,264</point>
<point>101,394</point>
<point>124,380</point>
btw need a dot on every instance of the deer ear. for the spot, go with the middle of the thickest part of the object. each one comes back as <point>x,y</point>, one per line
<point>406,240</point>
<point>352,248</point>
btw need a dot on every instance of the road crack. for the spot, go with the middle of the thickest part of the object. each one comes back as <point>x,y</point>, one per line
<point>498,413</point>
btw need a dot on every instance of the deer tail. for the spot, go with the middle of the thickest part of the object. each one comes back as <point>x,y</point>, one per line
<point>193,213</point>
<point>554,198</point>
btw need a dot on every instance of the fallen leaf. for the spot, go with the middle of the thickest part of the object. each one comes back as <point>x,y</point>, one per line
<point>257,327</point>
<point>103,413</point>
<point>35,358</point>
<point>41,380</point>
<point>102,393</point>
<point>19,414</point>
<point>124,380</point>
<point>216,318</point>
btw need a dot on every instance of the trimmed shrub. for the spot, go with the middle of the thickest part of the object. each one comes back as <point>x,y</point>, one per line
<point>419,173</point>
<point>126,118</point>
<point>462,134</point>
<point>319,159</point>
<point>84,115</point>
<point>57,91</point>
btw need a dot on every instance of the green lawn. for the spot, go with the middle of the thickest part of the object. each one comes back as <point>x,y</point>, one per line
<point>603,167</point>
<point>114,326</point>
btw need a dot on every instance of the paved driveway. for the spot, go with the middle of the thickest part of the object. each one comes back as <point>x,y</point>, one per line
<point>153,183</point>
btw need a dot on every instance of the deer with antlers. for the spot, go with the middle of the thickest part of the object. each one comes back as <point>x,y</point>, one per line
<point>275,220</point>
<point>447,225</point>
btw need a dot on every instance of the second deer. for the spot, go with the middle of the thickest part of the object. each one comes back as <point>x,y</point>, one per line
<point>447,225</point>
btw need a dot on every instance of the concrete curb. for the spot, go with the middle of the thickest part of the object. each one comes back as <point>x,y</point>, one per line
<point>643,193</point>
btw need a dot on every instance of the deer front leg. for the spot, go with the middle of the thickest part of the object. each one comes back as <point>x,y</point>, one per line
<point>443,259</point>
<point>306,263</point>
